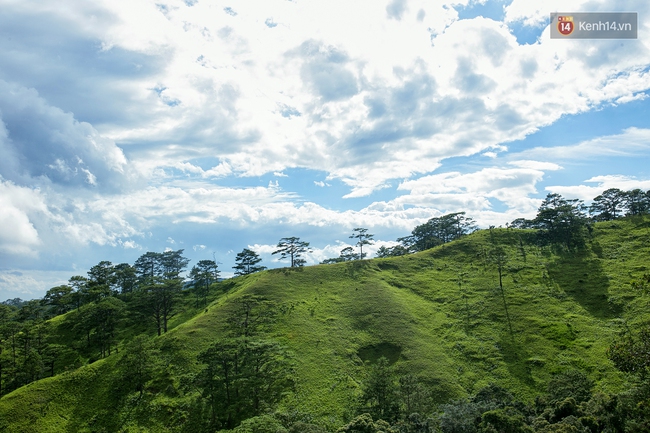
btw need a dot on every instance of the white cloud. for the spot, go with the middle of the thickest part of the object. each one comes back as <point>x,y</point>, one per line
<point>17,232</point>
<point>143,117</point>
<point>391,105</point>
<point>28,284</point>
<point>587,192</point>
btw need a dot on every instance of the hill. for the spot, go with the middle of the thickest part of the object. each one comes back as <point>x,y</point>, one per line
<point>439,315</point>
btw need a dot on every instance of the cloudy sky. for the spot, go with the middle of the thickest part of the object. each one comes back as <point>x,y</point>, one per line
<point>133,125</point>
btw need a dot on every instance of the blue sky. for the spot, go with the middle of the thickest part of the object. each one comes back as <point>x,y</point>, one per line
<point>128,127</point>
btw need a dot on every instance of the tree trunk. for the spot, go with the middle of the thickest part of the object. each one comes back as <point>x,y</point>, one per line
<point>505,304</point>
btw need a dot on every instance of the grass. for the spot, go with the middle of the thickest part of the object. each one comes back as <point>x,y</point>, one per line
<point>437,314</point>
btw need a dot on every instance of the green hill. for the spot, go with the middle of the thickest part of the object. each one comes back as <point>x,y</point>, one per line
<point>438,315</point>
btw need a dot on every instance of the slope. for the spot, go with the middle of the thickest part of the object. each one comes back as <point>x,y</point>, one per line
<point>438,314</point>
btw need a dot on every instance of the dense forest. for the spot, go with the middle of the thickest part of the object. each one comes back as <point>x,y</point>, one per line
<point>246,374</point>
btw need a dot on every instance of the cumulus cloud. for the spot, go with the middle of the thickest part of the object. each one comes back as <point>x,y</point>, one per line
<point>41,141</point>
<point>146,117</point>
<point>17,232</point>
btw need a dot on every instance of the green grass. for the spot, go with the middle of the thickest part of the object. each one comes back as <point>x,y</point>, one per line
<point>565,308</point>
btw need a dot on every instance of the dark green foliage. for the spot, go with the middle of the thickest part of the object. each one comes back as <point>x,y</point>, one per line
<point>630,352</point>
<point>159,285</point>
<point>413,395</point>
<point>437,231</point>
<point>365,424</point>
<point>158,300</point>
<point>137,363</point>
<point>302,427</point>
<point>609,205</point>
<point>262,424</point>
<point>60,299</point>
<point>561,222</point>
<point>101,278</point>
<point>250,315</point>
<point>148,266</point>
<point>246,262</point>
<point>505,420</point>
<point>242,379</point>
<point>397,250</point>
<point>292,248</point>
<point>569,384</point>
<point>461,417</point>
<point>380,395</point>
<point>103,318</point>
<point>125,278</point>
<point>204,273</point>
<point>637,202</point>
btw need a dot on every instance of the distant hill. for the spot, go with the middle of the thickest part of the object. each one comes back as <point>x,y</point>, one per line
<point>438,315</point>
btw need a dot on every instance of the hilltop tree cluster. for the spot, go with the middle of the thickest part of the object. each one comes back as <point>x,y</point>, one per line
<point>436,231</point>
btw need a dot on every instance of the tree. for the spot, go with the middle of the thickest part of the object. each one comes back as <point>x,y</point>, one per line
<point>364,238</point>
<point>560,221</point>
<point>397,250</point>
<point>100,279</point>
<point>203,274</point>
<point>160,283</point>
<point>104,318</point>
<point>437,231</point>
<point>637,202</point>
<point>630,352</point>
<point>125,278</point>
<point>364,424</point>
<point>160,301</point>
<point>608,205</point>
<point>250,314</point>
<point>60,298</point>
<point>500,258</point>
<point>292,248</point>
<point>78,284</point>
<point>172,263</point>
<point>347,254</point>
<point>246,262</point>
<point>380,393</point>
<point>136,363</point>
<point>414,397</point>
<point>242,379</point>
<point>521,223</point>
<point>148,266</point>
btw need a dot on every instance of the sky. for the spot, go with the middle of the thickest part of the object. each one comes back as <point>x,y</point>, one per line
<point>129,126</point>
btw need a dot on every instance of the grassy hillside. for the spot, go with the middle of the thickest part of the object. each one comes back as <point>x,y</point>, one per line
<point>438,314</point>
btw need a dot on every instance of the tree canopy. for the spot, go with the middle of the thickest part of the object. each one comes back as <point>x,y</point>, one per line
<point>293,249</point>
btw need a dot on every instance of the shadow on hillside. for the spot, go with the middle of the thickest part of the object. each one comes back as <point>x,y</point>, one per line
<point>515,356</point>
<point>386,350</point>
<point>583,279</point>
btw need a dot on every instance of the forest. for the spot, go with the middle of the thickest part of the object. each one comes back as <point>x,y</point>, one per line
<point>159,346</point>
